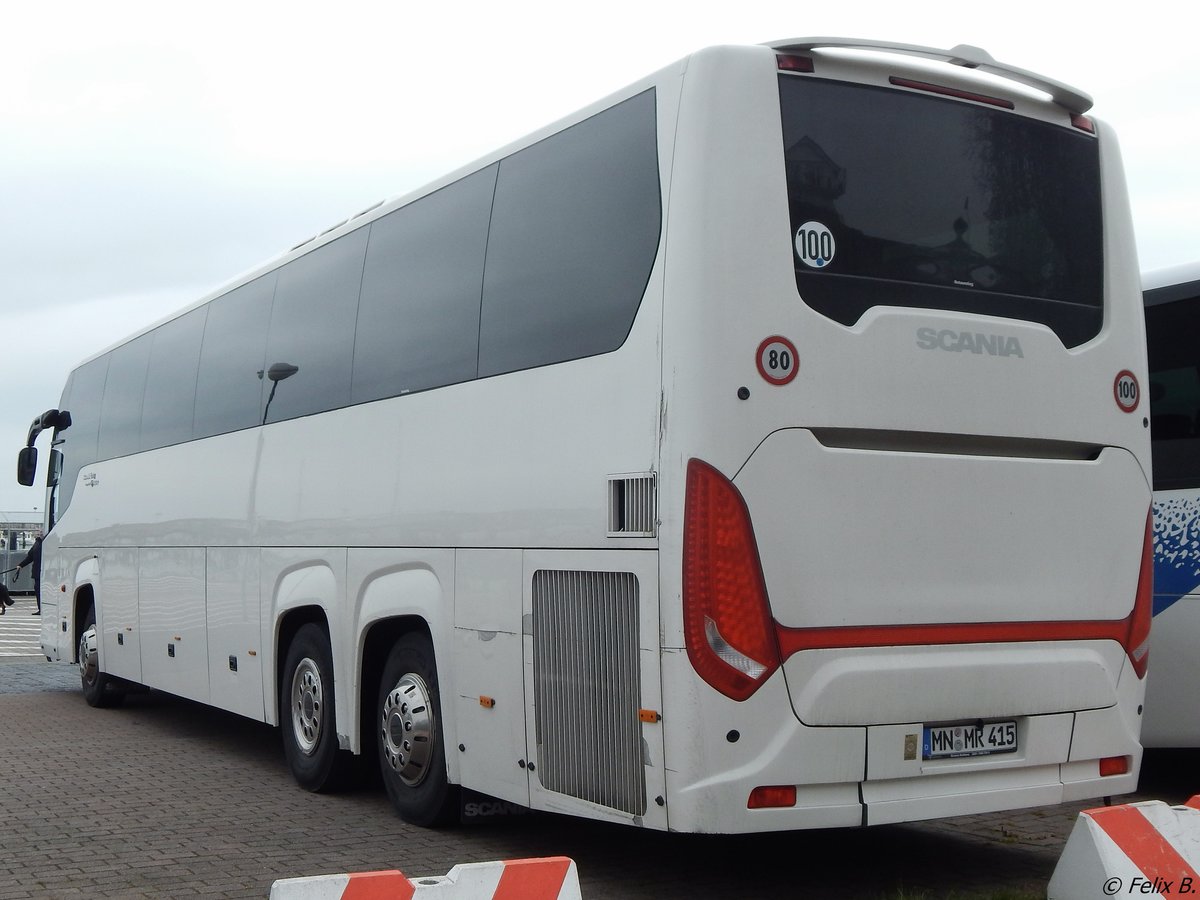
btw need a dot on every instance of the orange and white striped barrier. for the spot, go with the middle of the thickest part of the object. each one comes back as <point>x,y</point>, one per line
<point>1138,849</point>
<point>550,878</point>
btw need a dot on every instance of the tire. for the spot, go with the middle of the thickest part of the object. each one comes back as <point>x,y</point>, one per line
<point>99,690</point>
<point>307,715</point>
<point>408,735</point>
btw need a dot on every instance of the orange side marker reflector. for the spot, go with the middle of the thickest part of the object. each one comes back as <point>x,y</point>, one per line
<point>648,715</point>
<point>487,702</point>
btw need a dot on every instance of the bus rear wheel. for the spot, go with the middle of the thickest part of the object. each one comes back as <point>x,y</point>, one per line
<point>412,752</point>
<point>99,689</point>
<point>306,712</point>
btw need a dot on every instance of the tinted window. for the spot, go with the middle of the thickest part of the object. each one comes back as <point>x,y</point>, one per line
<point>418,317</point>
<point>1174,390</point>
<point>575,230</point>
<point>229,383</point>
<point>171,381</point>
<point>310,346</point>
<point>121,413</point>
<point>82,398</point>
<point>902,199</point>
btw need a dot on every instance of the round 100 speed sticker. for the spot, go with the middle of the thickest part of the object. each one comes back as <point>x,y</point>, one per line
<point>1125,390</point>
<point>815,245</point>
<point>777,360</point>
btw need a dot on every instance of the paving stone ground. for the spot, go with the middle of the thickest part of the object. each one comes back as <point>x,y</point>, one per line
<point>166,798</point>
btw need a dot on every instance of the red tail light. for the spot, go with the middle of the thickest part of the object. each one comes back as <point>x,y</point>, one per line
<point>728,628</point>
<point>1137,644</point>
<point>951,92</point>
<point>1114,765</point>
<point>791,63</point>
<point>772,797</point>
<point>1083,123</point>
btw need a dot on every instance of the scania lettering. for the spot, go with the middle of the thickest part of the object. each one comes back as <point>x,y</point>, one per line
<point>599,476</point>
<point>959,341</point>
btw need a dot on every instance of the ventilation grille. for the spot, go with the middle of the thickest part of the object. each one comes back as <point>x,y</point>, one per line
<point>586,687</point>
<point>632,505</point>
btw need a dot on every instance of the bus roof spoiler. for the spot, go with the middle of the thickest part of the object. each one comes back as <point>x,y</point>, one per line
<point>964,55</point>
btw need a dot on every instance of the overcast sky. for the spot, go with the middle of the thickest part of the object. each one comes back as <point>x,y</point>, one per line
<point>152,151</point>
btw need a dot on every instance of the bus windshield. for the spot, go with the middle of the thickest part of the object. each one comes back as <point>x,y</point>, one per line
<point>900,199</point>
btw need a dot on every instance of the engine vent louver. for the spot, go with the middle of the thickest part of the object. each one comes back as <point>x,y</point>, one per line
<point>587,687</point>
<point>632,505</point>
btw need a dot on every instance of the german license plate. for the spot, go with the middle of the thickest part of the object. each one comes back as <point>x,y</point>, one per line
<point>972,739</point>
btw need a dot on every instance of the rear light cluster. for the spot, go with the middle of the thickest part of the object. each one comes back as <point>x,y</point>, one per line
<point>1137,640</point>
<point>951,92</point>
<point>790,63</point>
<point>1083,123</point>
<point>728,627</point>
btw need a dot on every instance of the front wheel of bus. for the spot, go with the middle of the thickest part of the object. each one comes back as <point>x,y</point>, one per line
<point>99,690</point>
<point>412,753</point>
<point>306,710</point>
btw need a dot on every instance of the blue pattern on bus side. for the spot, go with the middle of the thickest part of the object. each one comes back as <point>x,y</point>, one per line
<point>1176,550</point>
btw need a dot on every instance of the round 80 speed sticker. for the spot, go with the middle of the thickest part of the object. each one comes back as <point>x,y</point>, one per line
<point>777,360</point>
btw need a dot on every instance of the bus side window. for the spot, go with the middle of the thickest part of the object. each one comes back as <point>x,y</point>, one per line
<point>312,328</point>
<point>575,231</point>
<point>418,313</point>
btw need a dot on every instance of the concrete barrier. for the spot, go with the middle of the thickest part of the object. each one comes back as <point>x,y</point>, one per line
<point>550,878</point>
<point>1145,849</point>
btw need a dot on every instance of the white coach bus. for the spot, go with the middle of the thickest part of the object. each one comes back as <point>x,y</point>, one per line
<point>1172,299</point>
<point>759,448</point>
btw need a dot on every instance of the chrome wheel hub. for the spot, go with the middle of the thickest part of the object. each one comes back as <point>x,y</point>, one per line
<point>308,701</point>
<point>89,665</point>
<point>407,729</point>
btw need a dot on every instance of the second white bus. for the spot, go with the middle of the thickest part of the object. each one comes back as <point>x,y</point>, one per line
<point>1172,298</point>
<point>759,448</point>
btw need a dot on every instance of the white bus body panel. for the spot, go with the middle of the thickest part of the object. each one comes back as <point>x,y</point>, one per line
<point>171,614</point>
<point>116,580</point>
<point>486,657</point>
<point>975,529</point>
<point>943,537</point>
<point>235,642</point>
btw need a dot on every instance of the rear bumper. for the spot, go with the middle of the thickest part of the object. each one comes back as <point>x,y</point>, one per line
<point>930,684</point>
<point>856,775</point>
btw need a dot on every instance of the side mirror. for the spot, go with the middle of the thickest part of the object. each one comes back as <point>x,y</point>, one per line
<point>26,466</point>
